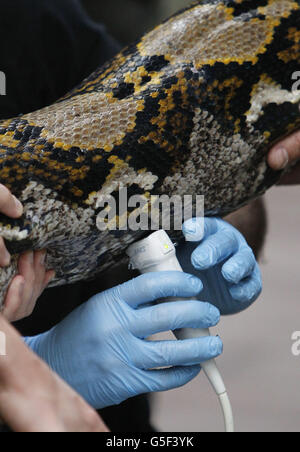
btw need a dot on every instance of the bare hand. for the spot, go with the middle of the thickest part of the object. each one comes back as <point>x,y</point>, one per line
<point>10,206</point>
<point>287,154</point>
<point>34,399</point>
<point>27,286</point>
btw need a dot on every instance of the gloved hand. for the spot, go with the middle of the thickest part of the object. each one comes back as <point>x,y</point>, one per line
<point>223,261</point>
<point>101,351</point>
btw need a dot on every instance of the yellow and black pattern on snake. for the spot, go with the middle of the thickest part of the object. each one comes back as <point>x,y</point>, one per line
<point>191,108</point>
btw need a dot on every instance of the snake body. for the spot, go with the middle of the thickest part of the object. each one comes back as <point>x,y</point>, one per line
<point>193,107</point>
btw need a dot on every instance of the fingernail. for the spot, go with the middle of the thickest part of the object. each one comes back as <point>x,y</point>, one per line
<point>19,206</point>
<point>193,230</point>
<point>216,346</point>
<point>202,258</point>
<point>232,274</point>
<point>43,257</point>
<point>50,279</point>
<point>214,315</point>
<point>280,158</point>
<point>6,258</point>
<point>30,257</point>
<point>196,283</point>
<point>21,288</point>
<point>193,370</point>
<point>190,227</point>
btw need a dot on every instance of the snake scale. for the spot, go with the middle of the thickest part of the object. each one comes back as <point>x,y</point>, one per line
<point>193,107</point>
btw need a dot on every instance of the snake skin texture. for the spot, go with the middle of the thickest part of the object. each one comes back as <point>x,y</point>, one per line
<point>193,107</point>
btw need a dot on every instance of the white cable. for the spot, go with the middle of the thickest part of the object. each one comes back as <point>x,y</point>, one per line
<point>157,253</point>
<point>213,374</point>
<point>227,412</point>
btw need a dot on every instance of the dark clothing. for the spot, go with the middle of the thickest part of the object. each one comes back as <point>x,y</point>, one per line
<point>47,48</point>
<point>51,46</point>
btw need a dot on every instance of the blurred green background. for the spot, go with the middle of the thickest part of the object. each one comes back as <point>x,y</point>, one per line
<point>127,20</point>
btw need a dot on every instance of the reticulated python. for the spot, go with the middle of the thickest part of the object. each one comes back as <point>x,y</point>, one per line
<point>191,108</point>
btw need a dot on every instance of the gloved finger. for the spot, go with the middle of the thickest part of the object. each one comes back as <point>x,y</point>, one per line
<point>173,316</point>
<point>196,229</point>
<point>240,266</point>
<point>166,379</point>
<point>215,249</point>
<point>248,290</point>
<point>199,229</point>
<point>178,353</point>
<point>153,286</point>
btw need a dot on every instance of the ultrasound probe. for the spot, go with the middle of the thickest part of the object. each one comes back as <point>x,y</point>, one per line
<point>157,253</point>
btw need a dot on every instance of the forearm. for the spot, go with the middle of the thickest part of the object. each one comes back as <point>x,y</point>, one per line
<point>33,398</point>
<point>18,357</point>
<point>15,382</point>
<point>12,352</point>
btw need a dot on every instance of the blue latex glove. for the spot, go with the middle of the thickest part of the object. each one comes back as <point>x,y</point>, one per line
<point>101,351</point>
<point>223,261</point>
